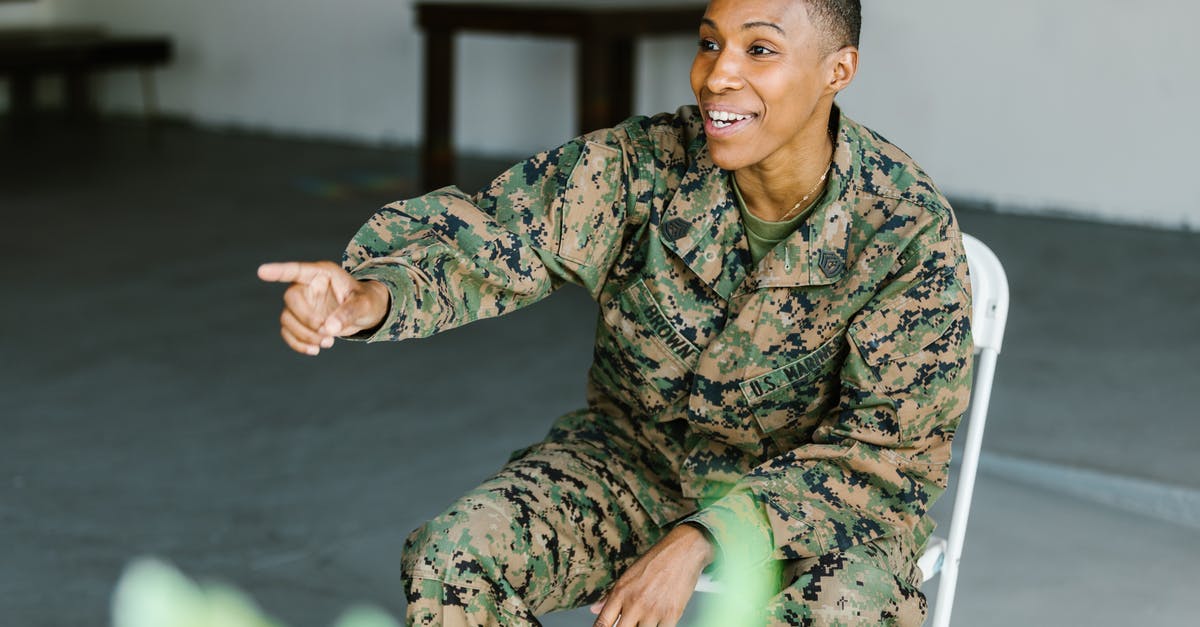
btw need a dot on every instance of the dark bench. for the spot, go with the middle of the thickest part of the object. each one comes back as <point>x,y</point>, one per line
<point>74,52</point>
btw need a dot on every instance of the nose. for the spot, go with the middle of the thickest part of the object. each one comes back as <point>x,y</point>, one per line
<point>725,73</point>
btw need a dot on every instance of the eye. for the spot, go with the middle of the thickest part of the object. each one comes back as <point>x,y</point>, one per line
<point>708,45</point>
<point>760,51</point>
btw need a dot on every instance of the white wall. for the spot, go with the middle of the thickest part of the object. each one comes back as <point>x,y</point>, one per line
<point>1083,106</point>
<point>17,15</point>
<point>354,69</point>
<point>344,69</point>
<point>25,13</point>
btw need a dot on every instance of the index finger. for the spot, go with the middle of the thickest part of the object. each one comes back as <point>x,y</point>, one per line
<point>289,272</point>
<point>608,615</point>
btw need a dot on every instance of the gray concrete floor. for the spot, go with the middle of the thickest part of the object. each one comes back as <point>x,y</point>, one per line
<point>147,405</point>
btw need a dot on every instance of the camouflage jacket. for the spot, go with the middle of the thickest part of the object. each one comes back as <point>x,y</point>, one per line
<point>814,395</point>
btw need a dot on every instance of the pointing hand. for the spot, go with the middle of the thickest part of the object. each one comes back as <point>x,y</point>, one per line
<point>324,302</point>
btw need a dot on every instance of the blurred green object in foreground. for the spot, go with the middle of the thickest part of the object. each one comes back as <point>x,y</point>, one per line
<point>746,582</point>
<point>152,593</point>
<point>744,594</point>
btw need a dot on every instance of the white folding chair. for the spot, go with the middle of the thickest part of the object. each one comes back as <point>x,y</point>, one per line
<point>989,287</point>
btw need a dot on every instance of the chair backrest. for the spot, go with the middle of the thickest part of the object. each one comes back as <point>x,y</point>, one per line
<point>989,291</point>
<point>989,286</point>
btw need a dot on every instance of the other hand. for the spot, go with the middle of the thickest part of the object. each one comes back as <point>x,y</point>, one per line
<point>655,590</point>
<point>324,302</point>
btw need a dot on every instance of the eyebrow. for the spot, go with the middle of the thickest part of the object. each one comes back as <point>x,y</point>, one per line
<point>747,25</point>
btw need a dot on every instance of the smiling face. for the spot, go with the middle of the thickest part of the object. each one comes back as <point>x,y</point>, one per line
<point>764,83</point>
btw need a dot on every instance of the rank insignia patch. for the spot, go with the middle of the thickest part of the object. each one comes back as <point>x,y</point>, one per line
<point>831,263</point>
<point>676,228</point>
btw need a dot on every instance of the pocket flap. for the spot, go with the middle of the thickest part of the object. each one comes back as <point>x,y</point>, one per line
<point>591,208</point>
<point>922,314</point>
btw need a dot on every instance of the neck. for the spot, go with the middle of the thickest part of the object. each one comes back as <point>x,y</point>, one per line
<point>772,187</point>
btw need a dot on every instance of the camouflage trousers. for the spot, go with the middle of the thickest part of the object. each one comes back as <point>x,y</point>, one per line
<point>555,527</point>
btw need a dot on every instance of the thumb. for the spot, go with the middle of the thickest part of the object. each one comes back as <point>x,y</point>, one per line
<point>352,316</point>
<point>598,606</point>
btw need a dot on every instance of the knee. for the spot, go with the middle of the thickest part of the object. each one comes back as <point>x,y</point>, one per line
<point>467,544</point>
<point>849,589</point>
<point>457,567</point>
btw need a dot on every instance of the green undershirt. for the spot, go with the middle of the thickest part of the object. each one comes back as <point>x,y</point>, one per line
<point>763,235</point>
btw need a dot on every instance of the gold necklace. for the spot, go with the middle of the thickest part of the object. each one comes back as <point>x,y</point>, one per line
<point>803,202</point>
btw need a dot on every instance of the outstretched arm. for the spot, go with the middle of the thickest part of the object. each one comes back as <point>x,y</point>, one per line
<point>448,258</point>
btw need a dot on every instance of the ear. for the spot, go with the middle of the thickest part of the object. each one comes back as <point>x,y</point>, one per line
<point>843,65</point>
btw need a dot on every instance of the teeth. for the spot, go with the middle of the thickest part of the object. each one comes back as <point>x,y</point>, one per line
<point>726,116</point>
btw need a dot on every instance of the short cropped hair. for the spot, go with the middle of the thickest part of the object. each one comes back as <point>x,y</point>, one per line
<point>840,21</point>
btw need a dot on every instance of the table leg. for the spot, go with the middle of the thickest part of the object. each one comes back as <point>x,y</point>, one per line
<point>621,66</point>
<point>605,75</point>
<point>437,154</point>
<point>79,93</point>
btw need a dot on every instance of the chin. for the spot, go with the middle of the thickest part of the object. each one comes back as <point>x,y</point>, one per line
<point>727,160</point>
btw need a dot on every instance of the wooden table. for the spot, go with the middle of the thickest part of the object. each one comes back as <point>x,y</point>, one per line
<point>75,52</point>
<point>604,32</point>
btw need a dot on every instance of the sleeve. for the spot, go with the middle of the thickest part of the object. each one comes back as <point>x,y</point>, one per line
<point>881,455</point>
<point>449,259</point>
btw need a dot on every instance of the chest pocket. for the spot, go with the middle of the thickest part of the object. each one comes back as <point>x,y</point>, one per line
<point>789,401</point>
<point>893,340</point>
<point>910,349</point>
<point>589,209</point>
<point>640,355</point>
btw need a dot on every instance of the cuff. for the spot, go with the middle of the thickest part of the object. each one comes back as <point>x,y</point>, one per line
<point>738,527</point>
<point>399,288</point>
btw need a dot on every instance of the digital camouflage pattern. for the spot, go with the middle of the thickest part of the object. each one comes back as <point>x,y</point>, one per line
<point>551,530</point>
<point>815,395</point>
<point>557,526</point>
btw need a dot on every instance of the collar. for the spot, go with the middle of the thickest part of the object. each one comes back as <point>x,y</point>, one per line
<point>703,227</point>
<point>816,253</point>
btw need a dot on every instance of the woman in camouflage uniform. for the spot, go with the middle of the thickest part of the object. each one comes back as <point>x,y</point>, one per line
<point>781,359</point>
